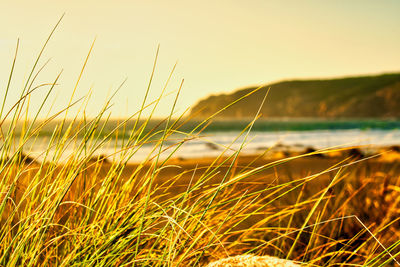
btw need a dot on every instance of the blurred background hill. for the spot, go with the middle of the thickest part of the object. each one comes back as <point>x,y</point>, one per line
<point>353,97</point>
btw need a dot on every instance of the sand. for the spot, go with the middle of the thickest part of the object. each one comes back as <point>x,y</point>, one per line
<point>176,174</point>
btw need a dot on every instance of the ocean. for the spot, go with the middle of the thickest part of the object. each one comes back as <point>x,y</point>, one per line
<point>228,136</point>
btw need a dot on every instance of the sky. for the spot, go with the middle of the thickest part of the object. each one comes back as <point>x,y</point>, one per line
<point>218,46</point>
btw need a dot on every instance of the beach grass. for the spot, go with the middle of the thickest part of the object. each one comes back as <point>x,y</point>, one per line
<point>87,209</point>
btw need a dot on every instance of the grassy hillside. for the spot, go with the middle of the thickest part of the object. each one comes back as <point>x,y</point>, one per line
<point>355,97</point>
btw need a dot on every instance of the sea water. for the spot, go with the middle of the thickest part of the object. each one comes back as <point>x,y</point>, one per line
<point>230,136</point>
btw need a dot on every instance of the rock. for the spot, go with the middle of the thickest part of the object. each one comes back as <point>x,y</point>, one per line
<point>310,150</point>
<point>355,153</point>
<point>99,159</point>
<point>395,148</point>
<point>212,146</point>
<point>253,261</point>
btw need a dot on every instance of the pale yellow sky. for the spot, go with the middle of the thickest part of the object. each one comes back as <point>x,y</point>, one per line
<point>219,45</point>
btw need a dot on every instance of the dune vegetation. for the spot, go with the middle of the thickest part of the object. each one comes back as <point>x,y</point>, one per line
<point>90,209</point>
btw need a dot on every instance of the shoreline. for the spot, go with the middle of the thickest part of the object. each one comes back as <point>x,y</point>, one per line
<point>277,152</point>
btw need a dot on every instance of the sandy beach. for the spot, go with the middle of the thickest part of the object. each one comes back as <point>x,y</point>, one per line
<point>365,186</point>
<point>276,167</point>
